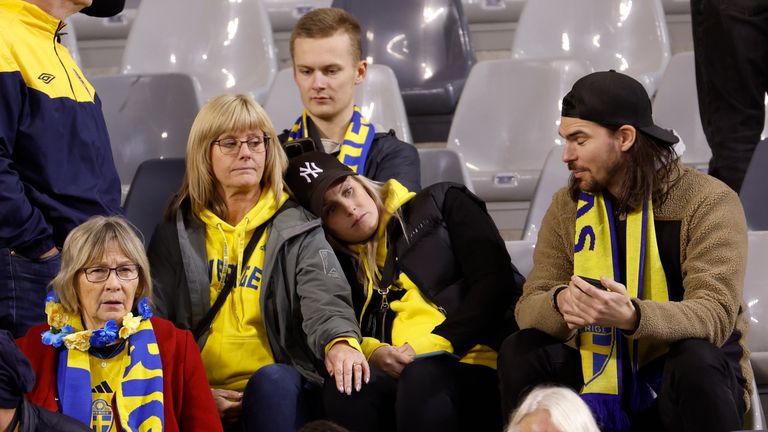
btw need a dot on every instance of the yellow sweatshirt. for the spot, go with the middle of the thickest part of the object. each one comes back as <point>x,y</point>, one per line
<point>415,316</point>
<point>237,345</point>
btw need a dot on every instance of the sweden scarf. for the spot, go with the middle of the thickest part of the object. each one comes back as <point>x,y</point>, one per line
<point>602,349</point>
<point>357,140</point>
<point>138,399</point>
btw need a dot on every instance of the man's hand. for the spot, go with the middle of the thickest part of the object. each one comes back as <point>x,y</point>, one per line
<point>347,364</point>
<point>229,403</point>
<point>582,304</point>
<point>392,360</point>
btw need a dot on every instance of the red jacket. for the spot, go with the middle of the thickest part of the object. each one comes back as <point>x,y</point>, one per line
<point>187,397</point>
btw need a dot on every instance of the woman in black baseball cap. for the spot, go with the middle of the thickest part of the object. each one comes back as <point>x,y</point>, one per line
<point>434,289</point>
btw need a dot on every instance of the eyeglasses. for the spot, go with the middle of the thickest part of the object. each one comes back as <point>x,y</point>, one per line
<point>231,146</point>
<point>126,272</point>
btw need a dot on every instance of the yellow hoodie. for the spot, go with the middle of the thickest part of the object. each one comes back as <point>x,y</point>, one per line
<point>237,345</point>
<point>415,316</point>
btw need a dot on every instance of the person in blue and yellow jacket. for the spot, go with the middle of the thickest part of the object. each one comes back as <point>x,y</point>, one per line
<point>56,167</point>
<point>435,297</point>
<point>232,235</point>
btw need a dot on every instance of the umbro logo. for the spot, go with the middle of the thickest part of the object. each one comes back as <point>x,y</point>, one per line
<point>46,77</point>
<point>309,169</point>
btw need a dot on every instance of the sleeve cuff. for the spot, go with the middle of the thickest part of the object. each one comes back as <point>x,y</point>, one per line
<point>348,339</point>
<point>370,345</point>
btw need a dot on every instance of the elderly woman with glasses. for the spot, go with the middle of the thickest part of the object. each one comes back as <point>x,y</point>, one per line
<point>251,272</point>
<point>103,358</point>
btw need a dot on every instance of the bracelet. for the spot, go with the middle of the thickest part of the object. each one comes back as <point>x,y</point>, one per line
<point>558,288</point>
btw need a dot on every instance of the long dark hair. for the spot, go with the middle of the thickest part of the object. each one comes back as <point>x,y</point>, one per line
<point>651,168</point>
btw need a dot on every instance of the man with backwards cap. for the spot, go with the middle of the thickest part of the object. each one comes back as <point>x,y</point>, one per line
<point>56,167</point>
<point>656,339</point>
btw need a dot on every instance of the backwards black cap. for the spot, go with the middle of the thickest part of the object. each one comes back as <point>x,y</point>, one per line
<point>310,174</point>
<point>615,99</point>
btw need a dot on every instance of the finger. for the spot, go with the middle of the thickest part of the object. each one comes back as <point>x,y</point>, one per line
<point>614,286</point>
<point>339,376</point>
<point>366,372</point>
<point>357,369</point>
<point>348,366</point>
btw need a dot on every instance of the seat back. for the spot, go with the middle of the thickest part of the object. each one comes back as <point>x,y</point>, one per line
<point>155,183</point>
<point>630,37</point>
<point>752,193</point>
<point>553,177</point>
<point>677,106</point>
<point>504,130</point>
<point>283,14</point>
<point>147,116</point>
<point>226,46</point>
<point>441,165</point>
<point>492,11</point>
<point>425,42</point>
<point>378,97</point>
<point>521,252</point>
<point>756,298</point>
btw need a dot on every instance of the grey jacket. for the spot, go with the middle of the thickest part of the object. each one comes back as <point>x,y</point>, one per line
<point>305,298</point>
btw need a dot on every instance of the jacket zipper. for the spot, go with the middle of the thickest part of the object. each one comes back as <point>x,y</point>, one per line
<point>66,72</point>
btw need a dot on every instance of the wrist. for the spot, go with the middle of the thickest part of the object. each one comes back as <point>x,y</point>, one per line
<point>558,290</point>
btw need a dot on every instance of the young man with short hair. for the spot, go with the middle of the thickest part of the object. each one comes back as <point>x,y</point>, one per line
<point>328,65</point>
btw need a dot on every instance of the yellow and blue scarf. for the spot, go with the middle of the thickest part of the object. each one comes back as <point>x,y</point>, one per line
<point>139,398</point>
<point>357,140</point>
<point>602,348</point>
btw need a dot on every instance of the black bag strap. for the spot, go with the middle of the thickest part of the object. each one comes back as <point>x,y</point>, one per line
<point>205,323</point>
<point>390,266</point>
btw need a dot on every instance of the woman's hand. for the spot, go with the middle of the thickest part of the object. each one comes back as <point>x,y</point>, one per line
<point>229,403</point>
<point>392,360</point>
<point>346,364</point>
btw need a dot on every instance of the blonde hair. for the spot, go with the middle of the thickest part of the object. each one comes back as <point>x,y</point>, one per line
<point>567,411</point>
<point>326,22</point>
<point>224,114</point>
<point>86,245</point>
<point>376,191</point>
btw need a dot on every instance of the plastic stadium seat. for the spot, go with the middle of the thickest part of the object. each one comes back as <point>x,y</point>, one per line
<point>427,45</point>
<point>677,6</point>
<point>521,252</point>
<point>156,182</point>
<point>378,97</point>
<point>116,27</point>
<point>752,194</point>
<point>756,298</point>
<point>492,11</point>
<point>440,165</point>
<point>554,176</point>
<point>507,121</point>
<point>226,46</point>
<point>628,36</point>
<point>677,106</point>
<point>283,14</point>
<point>148,116</point>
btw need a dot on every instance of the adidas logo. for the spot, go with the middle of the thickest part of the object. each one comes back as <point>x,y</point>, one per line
<point>102,388</point>
<point>46,77</point>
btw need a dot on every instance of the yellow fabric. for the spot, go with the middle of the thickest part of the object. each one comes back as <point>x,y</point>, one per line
<point>32,31</point>
<point>237,345</point>
<point>348,339</point>
<point>593,257</point>
<point>103,382</point>
<point>415,316</point>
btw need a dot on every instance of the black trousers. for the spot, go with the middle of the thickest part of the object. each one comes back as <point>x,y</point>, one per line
<point>730,39</point>
<point>701,389</point>
<point>433,394</point>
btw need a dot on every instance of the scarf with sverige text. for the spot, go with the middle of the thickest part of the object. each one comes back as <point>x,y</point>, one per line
<point>602,348</point>
<point>138,398</point>
<point>357,140</point>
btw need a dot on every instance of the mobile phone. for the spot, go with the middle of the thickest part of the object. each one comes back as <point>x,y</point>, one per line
<point>594,282</point>
<point>299,146</point>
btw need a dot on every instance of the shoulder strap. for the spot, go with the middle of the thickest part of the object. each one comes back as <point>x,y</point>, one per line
<point>205,323</point>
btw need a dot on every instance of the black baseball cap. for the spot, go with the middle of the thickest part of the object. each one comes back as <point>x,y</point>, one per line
<point>104,8</point>
<point>310,174</point>
<point>612,98</point>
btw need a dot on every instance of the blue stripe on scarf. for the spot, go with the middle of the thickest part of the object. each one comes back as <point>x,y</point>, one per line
<point>72,392</point>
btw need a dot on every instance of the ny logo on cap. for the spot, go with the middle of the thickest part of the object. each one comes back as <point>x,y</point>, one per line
<point>309,169</point>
